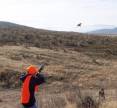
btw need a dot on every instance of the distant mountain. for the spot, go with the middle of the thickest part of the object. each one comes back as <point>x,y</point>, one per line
<point>112,31</point>
<point>4,24</point>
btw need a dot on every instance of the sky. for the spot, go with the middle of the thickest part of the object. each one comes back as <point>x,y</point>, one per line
<point>62,15</point>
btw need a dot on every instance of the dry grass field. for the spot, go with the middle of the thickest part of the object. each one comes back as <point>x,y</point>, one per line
<point>77,66</point>
<point>72,76</point>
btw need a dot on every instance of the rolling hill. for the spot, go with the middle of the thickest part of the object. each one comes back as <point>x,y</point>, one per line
<point>105,31</point>
<point>4,24</point>
<point>73,61</point>
<point>27,38</point>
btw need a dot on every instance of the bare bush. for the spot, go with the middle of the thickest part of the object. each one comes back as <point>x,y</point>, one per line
<point>9,79</point>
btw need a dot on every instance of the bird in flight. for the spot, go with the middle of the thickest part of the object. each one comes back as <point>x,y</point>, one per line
<point>79,25</point>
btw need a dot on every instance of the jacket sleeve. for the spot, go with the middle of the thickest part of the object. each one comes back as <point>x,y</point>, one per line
<point>22,77</point>
<point>40,79</point>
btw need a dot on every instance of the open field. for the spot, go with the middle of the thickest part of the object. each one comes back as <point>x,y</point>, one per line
<point>77,66</point>
<point>68,71</point>
<point>66,99</point>
<point>61,66</point>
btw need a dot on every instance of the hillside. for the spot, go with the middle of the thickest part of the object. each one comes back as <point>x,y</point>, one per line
<point>105,31</point>
<point>4,24</point>
<point>73,61</point>
<point>31,37</point>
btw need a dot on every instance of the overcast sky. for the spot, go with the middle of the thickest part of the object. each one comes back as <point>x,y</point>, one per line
<point>59,14</point>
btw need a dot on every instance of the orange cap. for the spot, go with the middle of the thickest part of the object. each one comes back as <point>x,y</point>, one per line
<point>32,69</point>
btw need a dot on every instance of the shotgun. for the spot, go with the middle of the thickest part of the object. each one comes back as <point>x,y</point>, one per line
<point>41,68</point>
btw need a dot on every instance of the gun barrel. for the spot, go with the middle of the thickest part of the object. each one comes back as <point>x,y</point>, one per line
<point>41,68</point>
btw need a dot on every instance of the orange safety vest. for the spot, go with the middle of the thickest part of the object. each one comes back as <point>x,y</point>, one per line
<point>25,92</point>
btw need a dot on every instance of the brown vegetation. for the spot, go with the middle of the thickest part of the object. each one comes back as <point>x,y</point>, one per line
<point>78,65</point>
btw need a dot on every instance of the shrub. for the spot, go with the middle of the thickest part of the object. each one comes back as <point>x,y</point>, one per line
<point>9,79</point>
